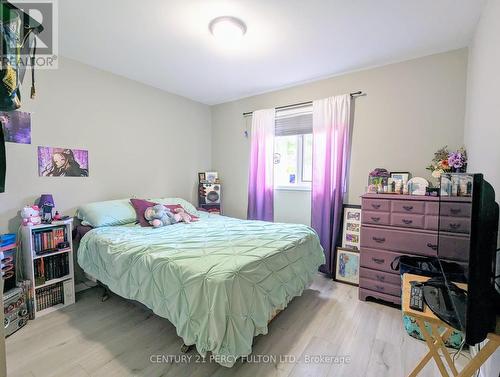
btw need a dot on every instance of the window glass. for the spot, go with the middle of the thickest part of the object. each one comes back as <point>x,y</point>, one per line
<point>285,160</point>
<point>293,161</point>
<point>307,158</point>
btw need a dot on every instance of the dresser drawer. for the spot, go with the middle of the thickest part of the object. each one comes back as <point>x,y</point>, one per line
<point>456,209</point>
<point>365,293</point>
<point>454,224</point>
<point>380,276</point>
<point>371,217</point>
<point>378,260</point>
<point>421,243</point>
<point>408,206</point>
<point>454,247</point>
<point>431,222</point>
<point>378,286</point>
<point>432,208</point>
<point>375,205</point>
<point>407,220</point>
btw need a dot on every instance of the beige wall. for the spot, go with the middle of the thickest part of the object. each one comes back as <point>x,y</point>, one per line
<point>482,126</point>
<point>141,140</point>
<point>412,108</point>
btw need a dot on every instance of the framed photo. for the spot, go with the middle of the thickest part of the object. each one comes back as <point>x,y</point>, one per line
<point>351,227</point>
<point>418,186</point>
<point>403,176</point>
<point>201,177</point>
<point>347,267</point>
<point>211,176</point>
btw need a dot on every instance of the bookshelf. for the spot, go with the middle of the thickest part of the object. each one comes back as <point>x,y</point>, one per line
<point>49,267</point>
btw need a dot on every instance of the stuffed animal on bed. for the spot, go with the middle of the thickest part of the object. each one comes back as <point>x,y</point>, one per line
<point>159,215</point>
<point>182,216</point>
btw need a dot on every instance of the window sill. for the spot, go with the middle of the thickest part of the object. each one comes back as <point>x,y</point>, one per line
<point>292,188</point>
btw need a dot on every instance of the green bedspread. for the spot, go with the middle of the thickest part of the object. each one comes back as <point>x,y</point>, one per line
<point>218,280</point>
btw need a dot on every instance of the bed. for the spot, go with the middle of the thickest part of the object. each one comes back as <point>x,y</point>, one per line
<point>218,280</point>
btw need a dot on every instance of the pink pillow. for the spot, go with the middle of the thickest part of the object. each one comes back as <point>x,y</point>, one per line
<point>140,206</point>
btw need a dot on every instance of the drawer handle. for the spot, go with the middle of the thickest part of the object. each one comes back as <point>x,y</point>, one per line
<point>408,208</point>
<point>378,260</point>
<point>378,239</point>
<point>376,206</point>
<point>380,287</point>
<point>455,210</point>
<point>455,225</point>
<point>432,246</point>
<point>375,219</point>
<point>380,278</point>
<point>407,222</point>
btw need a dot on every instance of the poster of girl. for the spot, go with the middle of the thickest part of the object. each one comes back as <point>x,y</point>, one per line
<point>63,162</point>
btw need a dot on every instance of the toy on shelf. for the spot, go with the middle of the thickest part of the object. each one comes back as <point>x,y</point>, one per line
<point>46,203</point>
<point>31,215</point>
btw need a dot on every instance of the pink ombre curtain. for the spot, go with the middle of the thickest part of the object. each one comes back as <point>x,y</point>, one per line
<point>331,134</point>
<point>260,182</point>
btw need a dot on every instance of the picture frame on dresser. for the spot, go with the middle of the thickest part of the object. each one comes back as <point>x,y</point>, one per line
<point>351,227</point>
<point>403,176</point>
<point>347,266</point>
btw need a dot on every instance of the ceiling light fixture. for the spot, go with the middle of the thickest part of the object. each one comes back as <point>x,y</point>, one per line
<point>228,29</point>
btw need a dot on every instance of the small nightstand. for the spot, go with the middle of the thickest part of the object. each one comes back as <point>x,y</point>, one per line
<point>49,266</point>
<point>435,339</point>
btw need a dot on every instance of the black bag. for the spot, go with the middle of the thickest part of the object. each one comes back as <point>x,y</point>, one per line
<point>430,267</point>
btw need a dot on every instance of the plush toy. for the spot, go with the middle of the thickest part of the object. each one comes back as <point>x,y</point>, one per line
<point>182,216</point>
<point>31,215</point>
<point>159,215</point>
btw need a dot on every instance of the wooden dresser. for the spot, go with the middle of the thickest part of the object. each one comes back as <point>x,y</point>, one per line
<point>395,225</point>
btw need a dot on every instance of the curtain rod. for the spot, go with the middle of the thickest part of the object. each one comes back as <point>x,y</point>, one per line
<point>353,94</point>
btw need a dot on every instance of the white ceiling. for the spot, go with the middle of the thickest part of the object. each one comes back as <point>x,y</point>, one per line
<point>166,43</point>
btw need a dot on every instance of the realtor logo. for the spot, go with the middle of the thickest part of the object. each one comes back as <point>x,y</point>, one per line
<point>38,21</point>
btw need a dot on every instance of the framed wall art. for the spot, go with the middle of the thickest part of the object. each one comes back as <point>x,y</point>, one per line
<point>351,227</point>
<point>62,162</point>
<point>347,266</point>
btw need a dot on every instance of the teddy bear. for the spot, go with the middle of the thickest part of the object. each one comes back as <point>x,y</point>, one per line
<point>182,216</point>
<point>31,215</point>
<point>159,215</point>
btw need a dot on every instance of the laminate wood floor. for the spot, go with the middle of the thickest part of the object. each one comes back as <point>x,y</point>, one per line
<point>121,338</point>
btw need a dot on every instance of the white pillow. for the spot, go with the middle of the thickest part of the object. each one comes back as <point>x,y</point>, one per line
<point>107,213</point>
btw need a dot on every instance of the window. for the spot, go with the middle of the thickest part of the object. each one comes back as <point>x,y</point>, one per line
<point>293,149</point>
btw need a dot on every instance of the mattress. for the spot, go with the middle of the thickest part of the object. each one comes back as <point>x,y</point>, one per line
<point>218,281</point>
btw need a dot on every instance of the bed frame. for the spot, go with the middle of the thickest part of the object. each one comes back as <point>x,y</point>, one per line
<point>184,348</point>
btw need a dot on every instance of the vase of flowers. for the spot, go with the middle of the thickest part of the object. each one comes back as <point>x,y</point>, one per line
<point>458,161</point>
<point>445,161</point>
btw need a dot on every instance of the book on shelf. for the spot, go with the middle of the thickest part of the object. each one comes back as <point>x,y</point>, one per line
<point>49,296</point>
<point>50,267</point>
<point>48,240</point>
